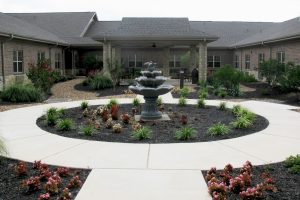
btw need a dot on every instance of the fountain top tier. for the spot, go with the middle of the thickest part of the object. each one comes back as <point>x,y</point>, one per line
<point>151,71</point>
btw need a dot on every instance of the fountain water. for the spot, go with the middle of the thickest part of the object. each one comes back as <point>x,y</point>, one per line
<point>150,85</point>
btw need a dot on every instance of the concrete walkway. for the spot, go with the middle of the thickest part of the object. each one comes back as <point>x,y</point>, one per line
<point>150,171</point>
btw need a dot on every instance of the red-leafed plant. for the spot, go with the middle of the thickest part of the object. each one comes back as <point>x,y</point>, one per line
<point>125,118</point>
<point>52,184</point>
<point>65,195</point>
<point>75,182</point>
<point>21,169</point>
<point>114,112</point>
<point>32,184</point>
<point>37,164</point>
<point>45,174</point>
<point>216,187</point>
<point>184,119</point>
<point>63,171</point>
<point>252,193</point>
<point>45,196</point>
<point>236,185</point>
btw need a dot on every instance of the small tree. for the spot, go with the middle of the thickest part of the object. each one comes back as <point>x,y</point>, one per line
<point>272,70</point>
<point>185,59</point>
<point>92,63</point>
<point>115,70</point>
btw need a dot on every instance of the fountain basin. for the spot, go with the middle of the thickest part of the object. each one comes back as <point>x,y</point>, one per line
<point>151,82</point>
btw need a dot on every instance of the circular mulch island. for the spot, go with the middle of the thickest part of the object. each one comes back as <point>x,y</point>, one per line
<point>162,131</point>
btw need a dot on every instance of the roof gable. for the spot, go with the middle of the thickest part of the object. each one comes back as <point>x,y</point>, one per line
<point>63,24</point>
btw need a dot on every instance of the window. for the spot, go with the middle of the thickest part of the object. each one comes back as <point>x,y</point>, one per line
<point>40,56</point>
<point>261,58</point>
<point>236,61</point>
<point>281,57</point>
<point>57,60</point>
<point>214,61</point>
<point>247,61</point>
<point>18,61</point>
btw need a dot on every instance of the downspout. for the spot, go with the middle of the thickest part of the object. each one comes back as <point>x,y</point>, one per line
<point>2,58</point>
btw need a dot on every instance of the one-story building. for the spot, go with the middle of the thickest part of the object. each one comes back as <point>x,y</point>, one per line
<point>68,38</point>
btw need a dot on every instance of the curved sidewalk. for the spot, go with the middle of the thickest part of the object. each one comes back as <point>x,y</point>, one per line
<point>150,171</point>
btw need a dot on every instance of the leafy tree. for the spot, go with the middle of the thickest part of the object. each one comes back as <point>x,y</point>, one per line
<point>290,80</point>
<point>272,70</point>
<point>185,60</point>
<point>92,63</point>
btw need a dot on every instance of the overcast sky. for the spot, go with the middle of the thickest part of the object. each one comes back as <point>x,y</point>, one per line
<point>207,10</point>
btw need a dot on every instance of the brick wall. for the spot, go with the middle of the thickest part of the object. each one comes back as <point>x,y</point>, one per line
<point>30,51</point>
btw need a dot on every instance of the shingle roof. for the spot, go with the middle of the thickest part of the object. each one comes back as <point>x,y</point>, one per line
<point>81,41</point>
<point>63,24</point>
<point>100,27</point>
<point>283,30</point>
<point>20,28</point>
<point>229,32</point>
<point>148,28</point>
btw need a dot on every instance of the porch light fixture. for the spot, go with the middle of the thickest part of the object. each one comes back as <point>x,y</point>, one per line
<point>153,45</point>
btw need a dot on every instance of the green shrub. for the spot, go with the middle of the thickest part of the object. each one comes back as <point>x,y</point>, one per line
<point>53,115</point>
<point>242,122</point>
<point>42,75</point>
<point>87,130</point>
<point>272,71</point>
<point>230,78</point>
<point>248,78</point>
<point>65,124</point>
<point>243,112</point>
<point>202,93</point>
<point>222,94</point>
<point>218,129</point>
<point>184,92</point>
<point>290,80</point>
<point>142,133</point>
<point>100,82</point>
<point>112,102</point>
<point>185,133</point>
<point>84,105</point>
<point>159,101</point>
<point>236,109</point>
<point>22,93</point>
<point>136,102</point>
<point>182,101</point>
<point>222,106</point>
<point>293,164</point>
<point>201,103</point>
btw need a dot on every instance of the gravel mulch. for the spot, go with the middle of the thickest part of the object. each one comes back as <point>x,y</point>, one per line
<point>10,183</point>
<point>162,131</point>
<point>287,184</point>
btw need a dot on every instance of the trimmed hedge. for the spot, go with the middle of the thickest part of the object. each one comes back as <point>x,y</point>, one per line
<point>22,93</point>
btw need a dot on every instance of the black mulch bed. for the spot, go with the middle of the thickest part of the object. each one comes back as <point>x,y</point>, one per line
<point>162,131</point>
<point>261,91</point>
<point>287,184</point>
<point>10,183</point>
<point>119,90</point>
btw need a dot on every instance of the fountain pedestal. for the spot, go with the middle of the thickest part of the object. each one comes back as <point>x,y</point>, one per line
<point>150,85</point>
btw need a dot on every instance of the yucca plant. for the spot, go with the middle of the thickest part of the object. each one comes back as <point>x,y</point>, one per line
<point>112,102</point>
<point>84,105</point>
<point>201,103</point>
<point>202,94</point>
<point>185,133</point>
<point>52,116</point>
<point>136,102</point>
<point>142,133</point>
<point>65,124</point>
<point>218,129</point>
<point>236,109</point>
<point>159,101</point>
<point>242,122</point>
<point>182,101</point>
<point>87,130</point>
<point>222,106</point>
<point>184,92</point>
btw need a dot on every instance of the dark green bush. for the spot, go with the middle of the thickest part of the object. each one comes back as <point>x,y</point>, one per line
<point>230,78</point>
<point>293,164</point>
<point>248,78</point>
<point>100,82</point>
<point>22,93</point>
<point>272,70</point>
<point>290,80</point>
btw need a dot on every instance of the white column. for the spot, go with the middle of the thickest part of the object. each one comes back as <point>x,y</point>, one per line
<point>166,57</point>
<point>202,61</point>
<point>107,57</point>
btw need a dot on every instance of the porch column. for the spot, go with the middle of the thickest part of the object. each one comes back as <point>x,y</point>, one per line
<point>73,62</point>
<point>202,61</point>
<point>107,57</point>
<point>166,57</point>
<point>193,61</point>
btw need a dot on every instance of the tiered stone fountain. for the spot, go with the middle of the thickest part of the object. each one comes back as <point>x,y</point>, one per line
<point>150,85</point>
